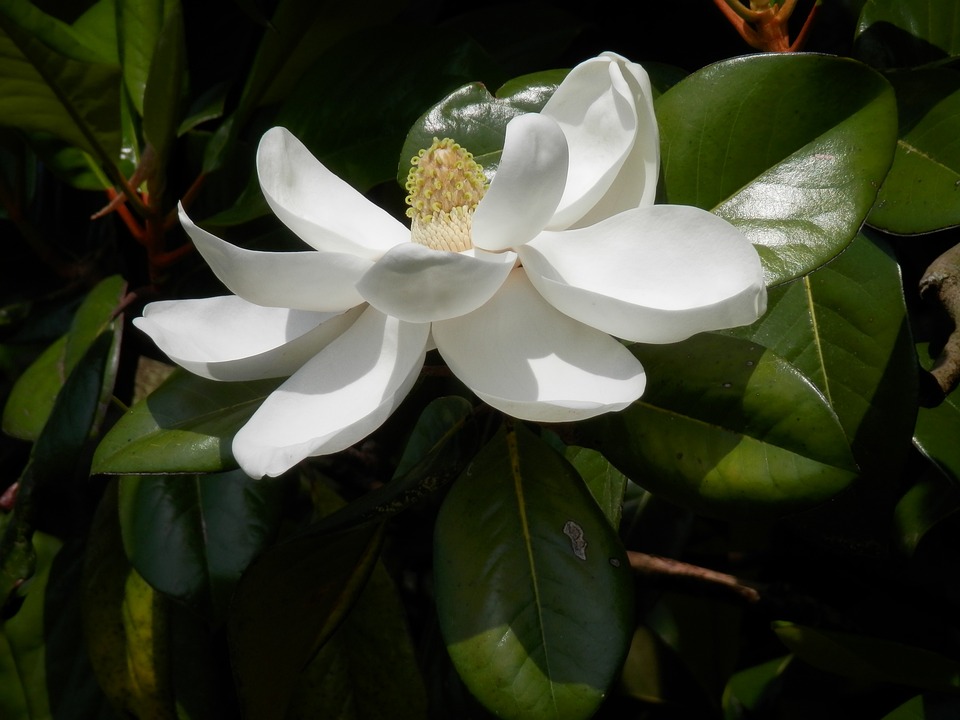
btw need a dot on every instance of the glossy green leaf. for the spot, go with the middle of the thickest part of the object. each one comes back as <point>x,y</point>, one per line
<point>727,428</point>
<point>871,659</point>
<point>893,33</point>
<point>126,623</point>
<point>934,498</point>
<point>191,536</point>
<point>368,669</point>
<point>139,26</point>
<point>746,689</point>
<point>288,603</point>
<point>936,495</point>
<point>91,38</point>
<point>533,589</point>
<point>922,191</point>
<point>603,480</point>
<point>56,458</point>
<point>789,148</point>
<point>24,691</point>
<point>166,84</point>
<point>478,120</point>
<point>32,397</point>
<point>185,425</point>
<point>845,328</point>
<point>43,90</point>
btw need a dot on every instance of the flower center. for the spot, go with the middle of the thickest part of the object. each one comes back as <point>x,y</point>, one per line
<point>444,187</point>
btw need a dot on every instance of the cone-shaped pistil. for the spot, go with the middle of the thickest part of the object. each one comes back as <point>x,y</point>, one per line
<point>444,187</point>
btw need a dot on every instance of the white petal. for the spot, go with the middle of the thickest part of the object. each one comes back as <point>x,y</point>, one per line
<point>527,187</point>
<point>337,398</point>
<point>417,284</point>
<point>327,213</point>
<point>521,356</point>
<point>605,110</point>
<point>312,280</point>
<point>656,274</point>
<point>227,338</point>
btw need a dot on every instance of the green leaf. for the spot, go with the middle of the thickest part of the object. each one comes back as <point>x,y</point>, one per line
<point>936,495</point>
<point>31,399</point>
<point>126,622</point>
<point>870,659</point>
<point>165,86</point>
<point>934,498</point>
<point>185,425</point>
<point>24,691</point>
<point>368,668</point>
<point>533,589</point>
<point>893,33</point>
<point>727,428</point>
<point>139,26</point>
<point>32,396</point>
<point>90,39</point>
<point>191,537</point>
<point>922,190</point>
<point>746,689</point>
<point>938,428</point>
<point>603,480</point>
<point>789,148</point>
<point>478,120</point>
<point>845,328</point>
<point>47,91</point>
<point>288,603</point>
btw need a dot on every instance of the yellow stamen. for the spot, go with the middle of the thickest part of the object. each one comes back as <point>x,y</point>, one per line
<point>444,187</point>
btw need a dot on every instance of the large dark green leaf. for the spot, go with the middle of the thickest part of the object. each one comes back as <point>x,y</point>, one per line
<point>938,428</point>
<point>922,191</point>
<point>936,495</point>
<point>139,25</point>
<point>533,587</point>
<point>287,605</point>
<point>46,90</point>
<point>191,536</point>
<point>871,659</point>
<point>186,425</point>
<point>477,120</point>
<point>605,482</point>
<point>845,328</point>
<point>23,686</point>
<point>727,427</point>
<point>55,459</point>
<point>893,33</point>
<point>443,440</point>
<point>31,399</point>
<point>789,148</point>
<point>368,669</point>
<point>165,87</point>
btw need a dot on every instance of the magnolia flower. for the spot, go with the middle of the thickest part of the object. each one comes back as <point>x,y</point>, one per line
<point>523,285</point>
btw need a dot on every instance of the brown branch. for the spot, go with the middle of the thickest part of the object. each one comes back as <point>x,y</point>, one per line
<point>657,565</point>
<point>941,283</point>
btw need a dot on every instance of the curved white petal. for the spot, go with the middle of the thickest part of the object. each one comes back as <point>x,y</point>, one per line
<point>337,398</point>
<point>605,109</point>
<point>655,274</point>
<point>417,284</point>
<point>521,356</point>
<point>228,338</point>
<point>527,187</point>
<point>326,212</point>
<point>311,280</point>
